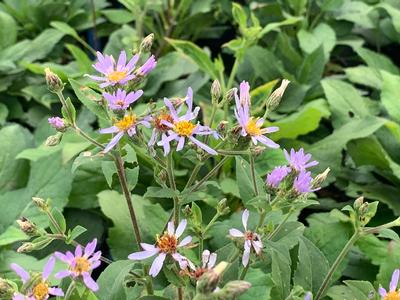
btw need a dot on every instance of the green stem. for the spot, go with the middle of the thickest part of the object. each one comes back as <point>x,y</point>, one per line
<point>171,179</point>
<point>209,175</point>
<point>211,223</point>
<point>87,137</point>
<point>70,290</point>
<point>253,174</point>
<point>233,73</point>
<point>261,220</point>
<point>244,272</point>
<point>232,152</point>
<point>277,229</point>
<point>193,175</point>
<point>336,264</point>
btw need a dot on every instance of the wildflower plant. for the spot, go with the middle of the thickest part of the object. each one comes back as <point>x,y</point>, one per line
<point>176,234</point>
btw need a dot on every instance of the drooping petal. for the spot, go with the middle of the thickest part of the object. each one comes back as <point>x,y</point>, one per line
<point>267,142</point>
<point>24,275</point>
<point>157,265</point>
<point>89,282</point>
<point>143,254</point>
<point>246,253</point>
<point>48,268</point>
<point>235,232</point>
<point>56,291</point>
<point>181,228</point>
<point>112,129</point>
<point>185,241</point>
<point>62,257</point>
<point>212,260</point>
<point>203,146</point>
<point>181,143</point>
<point>245,218</point>
<point>395,280</point>
<point>113,142</point>
<point>62,274</point>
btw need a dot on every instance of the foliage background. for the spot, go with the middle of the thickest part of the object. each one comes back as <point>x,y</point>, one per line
<point>342,105</point>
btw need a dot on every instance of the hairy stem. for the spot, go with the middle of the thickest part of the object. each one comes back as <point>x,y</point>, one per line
<point>209,175</point>
<point>277,229</point>
<point>253,174</point>
<point>172,184</point>
<point>335,265</point>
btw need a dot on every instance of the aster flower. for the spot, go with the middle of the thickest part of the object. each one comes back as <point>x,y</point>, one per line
<point>392,293</point>
<point>251,126</point>
<point>302,183</point>
<point>120,100</point>
<point>148,66</point>
<point>299,160</point>
<point>167,244</point>
<point>81,264</point>
<point>126,125</point>
<point>40,289</point>
<point>251,239</point>
<point>277,175</point>
<point>57,123</point>
<point>114,73</point>
<point>208,262</point>
<point>182,128</point>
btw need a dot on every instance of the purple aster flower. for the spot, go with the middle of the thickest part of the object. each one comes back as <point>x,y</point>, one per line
<point>167,244</point>
<point>251,239</point>
<point>148,66</point>
<point>392,293</point>
<point>41,288</point>
<point>56,123</point>
<point>81,264</point>
<point>308,296</point>
<point>120,100</point>
<point>277,175</point>
<point>182,128</point>
<point>114,73</point>
<point>126,125</point>
<point>303,183</point>
<point>299,160</point>
<point>249,125</point>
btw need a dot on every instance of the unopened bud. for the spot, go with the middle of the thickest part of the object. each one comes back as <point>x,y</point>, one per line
<point>235,288</point>
<point>187,211</point>
<point>222,207</point>
<point>54,83</point>
<point>220,268</point>
<point>26,247</point>
<point>147,42</point>
<point>6,289</point>
<point>208,282</point>
<point>275,98</point>
<point>221,128</point>
<point>358,202</point>
<point>216,90</point>
<point>258,150</point>
<point>320,178</point>
<point>363,208</point>
<point>54,140</point>
<point>27,226</point>
<point>230,95</point>
<point>40,203</point>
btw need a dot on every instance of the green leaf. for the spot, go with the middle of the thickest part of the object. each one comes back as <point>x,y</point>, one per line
<point>354,289</point>
<point>377,61</point>
<point>159,192</point>
<point>390,95</point>
<point>109,169</point>
<point>118,16</point>
<point>275,25</point>
<point>239,15</point>
<point>75,233</point>
<point>112,280</point>
<point>310,71</point>
<point>323,35</point>
<point>197,55</point>
<point>151,219</point>
<point>84,62</point>
<point>197,215</point>
<point>60,220</point>
<point>12,235</point>
<point>280,274</point>
<point>364,75</point>
<point>69,112</point>
<point>89,98</point>
<point>153,298</point>
<point>8,30</point>
<point>261,285</point>
<point>65,28</point>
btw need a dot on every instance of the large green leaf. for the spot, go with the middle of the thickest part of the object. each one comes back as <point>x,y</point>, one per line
<point>8,30</point>
<point>390,95</point>
<point>354,290</point>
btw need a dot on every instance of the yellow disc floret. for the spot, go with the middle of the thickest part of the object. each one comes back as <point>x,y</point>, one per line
<point>184,128</point>
<point>116,76</point>
<point>167,243</point>
<point>41,291</point>
<point>392,296</point>
<point>252,128</point>
<point>82,265</point>
<point>126,122</point>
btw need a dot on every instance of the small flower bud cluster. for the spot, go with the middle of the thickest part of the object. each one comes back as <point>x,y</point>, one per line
<point>54,83</point>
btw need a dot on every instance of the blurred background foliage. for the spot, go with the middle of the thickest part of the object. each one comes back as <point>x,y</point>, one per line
<point>342,105</point>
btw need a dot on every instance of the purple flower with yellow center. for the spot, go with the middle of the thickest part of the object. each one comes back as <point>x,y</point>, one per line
<point>251,239</point>
<point>148,66</point>
<point>120,100</point>
<point>392,294</point>
<point>126,125</point>
<point>277,175</point>
<point>56,123</point>
<point>303,183</point>
<point>299,160</point>
<point>81,264</point>
<point>40,289</point>
<point>251,126</point>
<point>182,128</point>
<point>167,244</point>
<point>114,73</point>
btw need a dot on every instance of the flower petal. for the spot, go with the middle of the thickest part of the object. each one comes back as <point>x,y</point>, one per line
<point>89,282</point>
<point>245,218</point>
<point>112,129</point>
<point>171,228</point>
<point>246,253</point>
<point>78,251</point>
<point>181,228</point>
<point>62,274</point>
<point>56,291</point>
<point>113,142</point>
<point>90,247</point>
<point>48,268</point>
<point>212,260</point>
<point>148,247</point>
<point>395,280</point>
<point>157,265</point>
<point>382,291</point>
<point>235,232</point>
<point>24,275</point>
<point>142,254</point>
<point>203,146</point>
<point>185,241</point>
<point>205,257</point>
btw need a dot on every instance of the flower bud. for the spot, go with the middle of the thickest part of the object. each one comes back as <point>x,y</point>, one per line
<point>54,140</point>
<point>258,150</point>
<point>147,42</point>
<point>208,282</point>
<point>320,178</point>
<point>216,90</point>
<point>358,202</point>
<point>275,98</point>
<point>235,288</point>
<point>26,247</point>
<point>6,289</point>
<point>40,203</point>
<point>187,211</point>
<point>54,83</point>
<point>27,226</point>
<point>230,95</point>
<point>222,208</point>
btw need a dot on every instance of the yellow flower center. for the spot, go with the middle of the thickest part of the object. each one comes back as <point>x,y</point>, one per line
<point>116,76</point>
<point>184,128</point>
<point>392,296</point>
<point>41,291</point>
<point>252,128</point>
<point>167,243</point>
<point>126,122</point>
<point>160,126</point>
<point>82,265</point>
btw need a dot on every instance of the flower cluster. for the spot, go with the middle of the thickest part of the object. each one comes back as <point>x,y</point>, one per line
<point>298,163</point>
